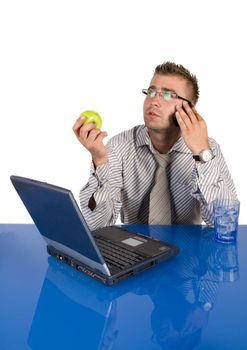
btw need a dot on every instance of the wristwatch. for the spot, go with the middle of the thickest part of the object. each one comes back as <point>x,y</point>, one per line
<point>204,156</point>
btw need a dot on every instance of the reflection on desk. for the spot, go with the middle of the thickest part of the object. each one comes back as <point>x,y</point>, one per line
<point>76,312</point>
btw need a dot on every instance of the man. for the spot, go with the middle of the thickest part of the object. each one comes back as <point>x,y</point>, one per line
<point>124,176</point>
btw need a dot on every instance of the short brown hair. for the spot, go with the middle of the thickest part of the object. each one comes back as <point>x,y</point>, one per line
<point>171,68</point>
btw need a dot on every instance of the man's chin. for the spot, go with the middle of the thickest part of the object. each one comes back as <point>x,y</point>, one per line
<point>158,126</point>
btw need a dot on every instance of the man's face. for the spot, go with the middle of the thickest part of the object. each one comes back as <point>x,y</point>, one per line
<point>158,112</point>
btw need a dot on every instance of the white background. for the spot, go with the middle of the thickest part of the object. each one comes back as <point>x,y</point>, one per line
<point>59,58</point>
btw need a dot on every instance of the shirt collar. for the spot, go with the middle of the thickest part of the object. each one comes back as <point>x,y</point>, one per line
<point>143,139</point>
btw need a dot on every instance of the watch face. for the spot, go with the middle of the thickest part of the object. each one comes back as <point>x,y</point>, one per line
<point>206,155</point>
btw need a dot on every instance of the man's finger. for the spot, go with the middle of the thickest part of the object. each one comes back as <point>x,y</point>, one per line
<point>78,124</point>
<point>189,111</point>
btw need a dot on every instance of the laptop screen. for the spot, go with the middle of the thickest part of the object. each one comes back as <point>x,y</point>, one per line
<point>57,215</point>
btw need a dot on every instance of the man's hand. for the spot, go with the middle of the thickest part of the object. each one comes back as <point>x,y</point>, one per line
<point>193,128</point>
<point>92,139</point>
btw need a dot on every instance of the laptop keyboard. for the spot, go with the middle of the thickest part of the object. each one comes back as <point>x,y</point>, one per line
<point>116,255</point>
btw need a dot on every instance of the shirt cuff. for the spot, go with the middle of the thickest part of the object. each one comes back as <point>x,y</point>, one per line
<point>100,173</point>
<point>205,176</point>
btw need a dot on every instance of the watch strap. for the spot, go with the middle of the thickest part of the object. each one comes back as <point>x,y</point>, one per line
<point>197,157</point>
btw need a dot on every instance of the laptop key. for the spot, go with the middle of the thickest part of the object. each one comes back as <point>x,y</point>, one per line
<point>117,255</point>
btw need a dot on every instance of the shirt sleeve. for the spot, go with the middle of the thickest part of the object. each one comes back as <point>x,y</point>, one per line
<point>104,189</point>
<point>210,181</point>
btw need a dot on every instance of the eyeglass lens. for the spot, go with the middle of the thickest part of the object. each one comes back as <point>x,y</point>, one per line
<point>166,95</point>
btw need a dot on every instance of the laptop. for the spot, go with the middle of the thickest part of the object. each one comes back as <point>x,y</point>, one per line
<point>109,254</point>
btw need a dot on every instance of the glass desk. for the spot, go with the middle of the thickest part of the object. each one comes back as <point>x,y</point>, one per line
<point>196,300</point>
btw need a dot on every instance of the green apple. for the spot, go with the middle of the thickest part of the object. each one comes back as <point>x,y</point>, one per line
<point>92,117</point>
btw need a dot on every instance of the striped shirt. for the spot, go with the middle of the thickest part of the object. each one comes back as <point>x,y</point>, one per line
<point>124,183</point>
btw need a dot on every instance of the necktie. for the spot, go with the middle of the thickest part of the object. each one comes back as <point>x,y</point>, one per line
<point>159,204</point>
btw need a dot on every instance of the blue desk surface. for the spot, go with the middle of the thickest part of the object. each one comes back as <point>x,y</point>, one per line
<point>197,300</point>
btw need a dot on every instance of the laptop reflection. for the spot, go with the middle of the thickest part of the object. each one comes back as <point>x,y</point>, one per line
<point>63,306</point>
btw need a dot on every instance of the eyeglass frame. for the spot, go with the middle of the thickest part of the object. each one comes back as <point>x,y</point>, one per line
<point>145,92</point>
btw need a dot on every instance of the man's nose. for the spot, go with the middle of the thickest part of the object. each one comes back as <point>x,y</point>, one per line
<point>156,99</point>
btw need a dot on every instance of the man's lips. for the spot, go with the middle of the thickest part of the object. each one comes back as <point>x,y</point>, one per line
<point>153,113</point>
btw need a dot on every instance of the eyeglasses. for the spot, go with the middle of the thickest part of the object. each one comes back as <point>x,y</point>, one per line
<point>165,94</point>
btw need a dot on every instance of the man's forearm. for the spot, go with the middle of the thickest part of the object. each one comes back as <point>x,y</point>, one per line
<point>100,198</point>
<point>211,181</point>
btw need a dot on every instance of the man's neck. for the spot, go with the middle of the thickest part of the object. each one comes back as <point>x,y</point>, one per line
<point>163,140</point>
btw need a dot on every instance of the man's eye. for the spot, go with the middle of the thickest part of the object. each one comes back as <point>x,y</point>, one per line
<point>167,95</point>
<point>151,93</point>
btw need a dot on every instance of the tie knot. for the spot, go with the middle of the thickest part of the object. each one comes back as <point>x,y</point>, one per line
<point>162,159</point>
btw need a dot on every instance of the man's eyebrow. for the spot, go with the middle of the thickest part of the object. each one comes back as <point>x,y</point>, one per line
<point>163,88</point>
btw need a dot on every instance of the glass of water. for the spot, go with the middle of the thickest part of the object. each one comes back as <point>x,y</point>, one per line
<point>226,213</point>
